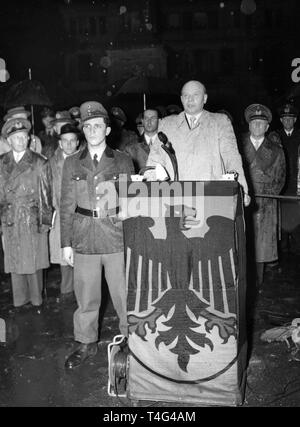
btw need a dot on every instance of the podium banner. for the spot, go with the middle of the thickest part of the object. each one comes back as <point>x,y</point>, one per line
<point>185,275</point>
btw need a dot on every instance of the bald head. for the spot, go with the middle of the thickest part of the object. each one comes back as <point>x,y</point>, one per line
<point>193,97</point>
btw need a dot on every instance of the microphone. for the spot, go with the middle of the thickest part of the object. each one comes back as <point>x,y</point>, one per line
<point>164,139</point>
<point>167,147</point>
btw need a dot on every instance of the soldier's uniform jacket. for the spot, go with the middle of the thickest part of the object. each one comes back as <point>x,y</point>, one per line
<point>82,186</point>
<point>265,173</point>
<point>26,211</point>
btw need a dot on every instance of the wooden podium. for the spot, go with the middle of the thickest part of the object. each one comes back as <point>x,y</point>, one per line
<point>186,294</point>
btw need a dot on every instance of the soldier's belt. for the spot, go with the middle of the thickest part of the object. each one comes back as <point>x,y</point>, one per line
<point>97,213</point>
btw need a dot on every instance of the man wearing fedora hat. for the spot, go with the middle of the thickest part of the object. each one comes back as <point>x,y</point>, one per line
<point>91,234</point>
<point>26,212</point>
<point>290,210</point>
<point>264,164</point>
<point>68,145</point>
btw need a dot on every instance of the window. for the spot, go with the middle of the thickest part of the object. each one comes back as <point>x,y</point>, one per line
<point>84,68</point>
<point>268,18</point>
<point>102,24</point>
<point>248,23</point>
<point>92,25</point>
<point>73,27</point>
<point>200,20</point>
<point>187,21</point>
<point>204,61</point>
<point>213,20</point>
<point>227,61</point>
<point>173,21</point>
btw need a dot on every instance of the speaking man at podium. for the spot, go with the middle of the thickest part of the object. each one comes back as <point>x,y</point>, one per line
<point>204,142</point>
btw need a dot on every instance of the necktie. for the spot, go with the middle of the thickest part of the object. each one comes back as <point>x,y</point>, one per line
<point>192,122</point>
<point>95,160</point>
<point>150,142</point>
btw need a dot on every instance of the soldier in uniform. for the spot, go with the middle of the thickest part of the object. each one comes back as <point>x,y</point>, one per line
<point>91,233</point>
<point>20,113</point>
<point>264,165</point>
<point>26,213</point>
<point>290,210</point>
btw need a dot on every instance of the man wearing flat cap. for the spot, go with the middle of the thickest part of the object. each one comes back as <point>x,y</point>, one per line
<point>68,145</point>
<point>26,213</point>
<point>91,233</point>
<point>264,164</point>
<point>290,210</point>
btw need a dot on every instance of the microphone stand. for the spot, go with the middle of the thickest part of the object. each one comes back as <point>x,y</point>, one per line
<point>167,147</point>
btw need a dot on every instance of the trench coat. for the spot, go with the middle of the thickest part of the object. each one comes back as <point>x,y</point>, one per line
<point>26,211</point>
<point>83,186</point>
<point>265,171</point>
<point>56,163</point>
<point>204,153</point>
<point>290,210</point>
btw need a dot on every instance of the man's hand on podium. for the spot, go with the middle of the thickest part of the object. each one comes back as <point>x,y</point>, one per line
<point>157,174</point>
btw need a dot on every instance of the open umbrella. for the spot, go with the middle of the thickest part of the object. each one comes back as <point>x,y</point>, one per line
<point>146,86</point>
<point>26,92</point>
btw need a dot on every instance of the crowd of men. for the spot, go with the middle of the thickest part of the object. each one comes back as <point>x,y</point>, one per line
<point>50,191</point>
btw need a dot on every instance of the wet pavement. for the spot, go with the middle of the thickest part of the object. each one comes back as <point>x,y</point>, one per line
<point>32,369</point>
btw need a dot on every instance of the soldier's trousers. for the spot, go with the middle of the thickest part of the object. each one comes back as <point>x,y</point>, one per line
<point>67,279</point>
<point>87,287</point>
<point>27,288</point>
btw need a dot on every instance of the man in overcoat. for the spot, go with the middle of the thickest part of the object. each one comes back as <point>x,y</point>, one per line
<point>91,233</point>
<point>265,172</point>
<point>204,142</point>
<point>68,145</point>
<point>26,213</point>
<point>290,209</point>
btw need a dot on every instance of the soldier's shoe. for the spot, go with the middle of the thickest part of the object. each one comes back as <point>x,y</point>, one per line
<point>84,352</point>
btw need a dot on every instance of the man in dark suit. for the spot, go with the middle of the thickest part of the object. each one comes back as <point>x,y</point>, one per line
<point>290,210</point>
<point>139,148</point>
<point>91,233</point>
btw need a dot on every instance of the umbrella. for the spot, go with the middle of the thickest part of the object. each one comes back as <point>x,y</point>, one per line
<point>27,92</point>
<point>146,86</point>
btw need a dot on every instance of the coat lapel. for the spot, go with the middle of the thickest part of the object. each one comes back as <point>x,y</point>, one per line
<point>86,160</point>
<point>15,169</point>
<point>106,161</point>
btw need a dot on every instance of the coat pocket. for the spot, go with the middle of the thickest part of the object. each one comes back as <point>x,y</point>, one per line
<point>80,228</point>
